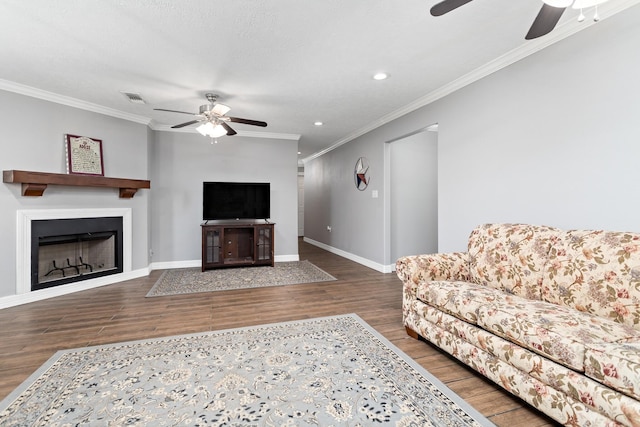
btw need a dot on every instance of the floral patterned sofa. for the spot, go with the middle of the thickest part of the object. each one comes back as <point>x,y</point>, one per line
<point>551,316</point>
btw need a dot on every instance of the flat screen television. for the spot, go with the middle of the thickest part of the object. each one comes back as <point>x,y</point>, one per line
<point>235,200</point>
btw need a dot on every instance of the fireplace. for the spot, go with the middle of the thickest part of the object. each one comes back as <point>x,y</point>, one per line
<point>74,249</point>
<point>71,235</point>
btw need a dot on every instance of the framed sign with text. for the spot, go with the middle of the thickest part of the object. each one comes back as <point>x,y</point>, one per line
<point>84,155</point>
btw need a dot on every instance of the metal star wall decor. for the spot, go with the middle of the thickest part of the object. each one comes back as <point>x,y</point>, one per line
<point>361,173</point>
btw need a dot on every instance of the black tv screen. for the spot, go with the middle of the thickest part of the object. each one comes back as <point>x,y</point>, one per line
<point>235,200</point>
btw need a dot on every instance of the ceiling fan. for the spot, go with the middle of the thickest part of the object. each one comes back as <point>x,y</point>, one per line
<point>544,23</point>
<point>214,119</point>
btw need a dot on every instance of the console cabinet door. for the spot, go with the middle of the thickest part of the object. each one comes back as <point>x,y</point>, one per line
<point>212,238</point>
<point>264,244</point>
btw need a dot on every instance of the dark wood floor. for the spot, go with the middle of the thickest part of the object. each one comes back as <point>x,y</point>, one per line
<point>31,333</point>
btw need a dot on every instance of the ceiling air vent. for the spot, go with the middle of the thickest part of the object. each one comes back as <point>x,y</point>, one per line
<point>134,98</point>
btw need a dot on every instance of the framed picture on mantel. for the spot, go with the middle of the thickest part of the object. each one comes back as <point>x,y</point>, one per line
<point>84,155</point>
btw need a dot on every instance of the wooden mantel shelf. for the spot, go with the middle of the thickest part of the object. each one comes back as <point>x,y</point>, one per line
<point>34,183</point>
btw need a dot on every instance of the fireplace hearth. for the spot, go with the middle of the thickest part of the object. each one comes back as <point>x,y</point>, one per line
<point>70,250</point>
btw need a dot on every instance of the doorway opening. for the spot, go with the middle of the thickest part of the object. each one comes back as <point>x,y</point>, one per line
<point>411,199</point>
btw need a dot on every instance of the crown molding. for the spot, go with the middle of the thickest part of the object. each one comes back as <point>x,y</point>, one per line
<point>88,106</point>
<point>249,134</point>
<point>269,135</point>
<point>530,47</point>
<point>71,102</point>
<point>561,32</point>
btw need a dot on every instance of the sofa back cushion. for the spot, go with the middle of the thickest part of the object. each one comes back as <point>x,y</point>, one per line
<point>511,257</point>
<point>597,272</point>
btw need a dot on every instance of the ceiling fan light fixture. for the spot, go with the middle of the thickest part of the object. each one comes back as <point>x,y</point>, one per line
<point>558,3</point>
<point>213,119</point>
<point>204,128</point>
<point>211,130</point>
<point>218,131</point>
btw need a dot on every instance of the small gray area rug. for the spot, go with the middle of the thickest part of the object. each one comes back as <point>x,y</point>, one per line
<point>331,371</point>
<point>192,280</point>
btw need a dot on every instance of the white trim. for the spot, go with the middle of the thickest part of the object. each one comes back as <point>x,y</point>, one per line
<point>168,265</point>
<point>287,258</point>
<point>69,101</point>
<point>386,203</point>
<point>23,239</point>
<point>270,135</point>
<point>88,106</point>
<point>528,48</point>
<point>367,263</point>
<point>13,300</point>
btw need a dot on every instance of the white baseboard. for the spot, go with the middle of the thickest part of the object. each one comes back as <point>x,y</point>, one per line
<point>287,258</point>
<point>13,300</point>
<point>355,258</point>
<point>168,265</point>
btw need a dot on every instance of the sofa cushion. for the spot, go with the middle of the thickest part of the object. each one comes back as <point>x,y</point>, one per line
<point>510,257</point>
<point>579,406</point>
<point>597,272</point>
<point>615,365</point>
<point>594,393</point>
<point>460,299</point>
<point>557,332</point>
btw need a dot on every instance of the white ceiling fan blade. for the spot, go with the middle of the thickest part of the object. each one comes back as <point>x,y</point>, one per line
<point>220,109</point>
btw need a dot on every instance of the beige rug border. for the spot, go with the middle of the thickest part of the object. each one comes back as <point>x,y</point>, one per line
<point>306,262</point>
<point>476,417</point>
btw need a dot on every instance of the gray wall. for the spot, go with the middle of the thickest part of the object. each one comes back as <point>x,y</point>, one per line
<point>180,162</point>
<point>413,194</point>
<point>332,199</point>
<point>551,139</point>
<point>31,138</point>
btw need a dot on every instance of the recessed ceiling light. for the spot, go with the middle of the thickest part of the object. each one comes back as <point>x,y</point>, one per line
<point>318,123</point>
<point>380,76</point>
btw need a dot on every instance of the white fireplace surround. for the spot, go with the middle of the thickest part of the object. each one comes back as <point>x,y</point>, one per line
<point>23,242</point>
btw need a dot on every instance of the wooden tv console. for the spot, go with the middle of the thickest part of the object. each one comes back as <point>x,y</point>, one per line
<point>237,245</point>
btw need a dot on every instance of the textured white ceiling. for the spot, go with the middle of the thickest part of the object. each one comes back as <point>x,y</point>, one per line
<point>286,62</point>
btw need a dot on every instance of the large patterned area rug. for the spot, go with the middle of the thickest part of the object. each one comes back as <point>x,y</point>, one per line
<point>191,280</point>
<point>331,371</point>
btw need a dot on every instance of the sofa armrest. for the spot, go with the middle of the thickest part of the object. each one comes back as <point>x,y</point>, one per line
<point>453,266</point>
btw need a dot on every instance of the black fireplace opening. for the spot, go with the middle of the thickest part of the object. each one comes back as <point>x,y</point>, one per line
<point>70,250</point>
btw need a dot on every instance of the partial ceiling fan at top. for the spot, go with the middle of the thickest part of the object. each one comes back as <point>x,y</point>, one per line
<point>213,118</point>
<point>546,19</point>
